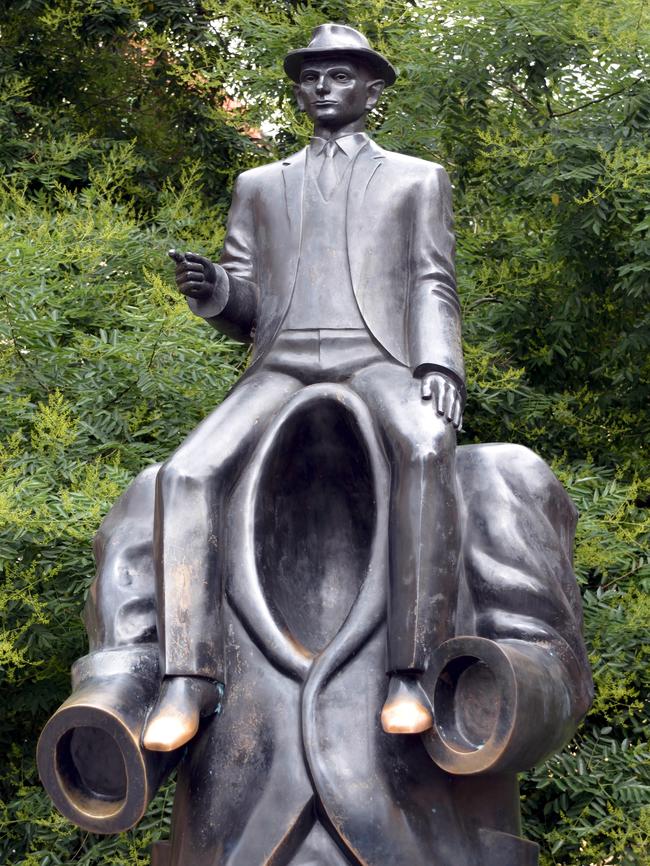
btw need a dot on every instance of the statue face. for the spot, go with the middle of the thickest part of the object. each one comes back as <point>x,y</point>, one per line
<point>336,91</point>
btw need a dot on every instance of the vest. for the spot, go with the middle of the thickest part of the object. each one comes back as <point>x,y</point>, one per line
<point>323,296</point>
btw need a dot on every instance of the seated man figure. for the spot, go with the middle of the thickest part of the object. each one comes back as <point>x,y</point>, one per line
<point>338,265</point>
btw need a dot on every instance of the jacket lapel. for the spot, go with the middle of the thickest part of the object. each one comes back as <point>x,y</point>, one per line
<point>366,164</point>
<point>293,173</point>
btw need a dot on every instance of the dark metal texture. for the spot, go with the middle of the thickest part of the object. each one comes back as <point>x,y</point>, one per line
<point>320,529</point>
<point>297,753</point>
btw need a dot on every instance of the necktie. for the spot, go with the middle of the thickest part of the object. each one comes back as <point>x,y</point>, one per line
<point>328,176</point>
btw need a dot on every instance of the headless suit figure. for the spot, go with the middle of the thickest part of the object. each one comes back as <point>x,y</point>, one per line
<point>399,349</point>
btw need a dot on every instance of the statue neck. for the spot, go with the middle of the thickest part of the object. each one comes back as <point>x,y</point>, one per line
<point>322,131</point>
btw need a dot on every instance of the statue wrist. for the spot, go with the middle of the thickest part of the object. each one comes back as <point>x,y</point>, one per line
<point>423,370</point>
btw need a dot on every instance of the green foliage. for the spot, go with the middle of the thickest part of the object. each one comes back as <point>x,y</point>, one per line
<point>103,371</point>
<point>122,126</point>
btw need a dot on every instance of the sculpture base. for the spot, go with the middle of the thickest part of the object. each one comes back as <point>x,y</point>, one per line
<point>296,769</point>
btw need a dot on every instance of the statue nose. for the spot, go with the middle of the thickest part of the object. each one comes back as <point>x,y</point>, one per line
<point>321,86</point>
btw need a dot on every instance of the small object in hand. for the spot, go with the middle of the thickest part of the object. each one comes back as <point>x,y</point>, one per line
<point>176,256</point>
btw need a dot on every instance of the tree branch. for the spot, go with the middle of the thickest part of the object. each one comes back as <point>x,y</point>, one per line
<point>594,101</point>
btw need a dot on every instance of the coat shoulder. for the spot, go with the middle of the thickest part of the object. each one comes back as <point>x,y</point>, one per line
<point>263,173</point>
<point>413,165</point>
<point>253,177</point>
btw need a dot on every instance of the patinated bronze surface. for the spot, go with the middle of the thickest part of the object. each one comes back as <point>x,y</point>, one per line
<point>389,625</point>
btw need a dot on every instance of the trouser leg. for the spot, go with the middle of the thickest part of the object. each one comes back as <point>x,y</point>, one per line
<point>192,489</point>
<point>424,527</point>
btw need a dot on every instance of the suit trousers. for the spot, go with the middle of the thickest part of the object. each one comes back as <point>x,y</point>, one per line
<point>194,486</point>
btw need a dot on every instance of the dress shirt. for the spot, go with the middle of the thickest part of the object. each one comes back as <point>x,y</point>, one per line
<point>349,144</point>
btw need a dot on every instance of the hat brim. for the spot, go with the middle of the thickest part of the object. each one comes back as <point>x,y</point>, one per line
<point>294,60</point>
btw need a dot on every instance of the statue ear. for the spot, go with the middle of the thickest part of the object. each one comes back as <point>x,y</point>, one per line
<point>374,90</point>
<point>297,92</point>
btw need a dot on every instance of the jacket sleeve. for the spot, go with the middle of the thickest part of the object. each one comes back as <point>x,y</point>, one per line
<point>235,316</point>
<point>94,737</point>
<point>434,318</point>
<point>518,665</point>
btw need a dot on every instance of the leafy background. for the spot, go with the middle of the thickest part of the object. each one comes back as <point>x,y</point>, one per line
<point>122,126</point>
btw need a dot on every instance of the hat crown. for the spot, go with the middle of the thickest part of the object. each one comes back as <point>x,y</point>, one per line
<point>337,37</point>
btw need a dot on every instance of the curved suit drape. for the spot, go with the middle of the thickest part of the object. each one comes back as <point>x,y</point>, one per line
<point>282,757</point>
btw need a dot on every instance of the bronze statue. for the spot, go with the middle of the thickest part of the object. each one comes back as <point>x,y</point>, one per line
<point>340,260</point>
<point>320,530</point>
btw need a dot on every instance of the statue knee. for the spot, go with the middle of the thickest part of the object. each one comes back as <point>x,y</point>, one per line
<point>420,453</point>
<point>434,448</point>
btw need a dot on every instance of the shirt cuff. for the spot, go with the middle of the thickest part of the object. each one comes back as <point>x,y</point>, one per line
<point>215,303</point>
<point>422,369</point>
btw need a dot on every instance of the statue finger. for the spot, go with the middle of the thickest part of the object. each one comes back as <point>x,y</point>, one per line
<point>425,388</point>
<point>446,396</point>
<point>194,288</point>
<point>185,275</point>
<point>457,415</point>
<point>440,398</point>
<point>177,256</point>
<point>195,258</point>
<point>450,395</point>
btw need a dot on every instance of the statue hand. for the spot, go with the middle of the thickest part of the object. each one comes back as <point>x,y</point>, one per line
<point>445,396</point>
<point>196,276</point>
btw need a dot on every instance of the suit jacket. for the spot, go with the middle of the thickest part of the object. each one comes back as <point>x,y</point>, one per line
<point>401,253</point>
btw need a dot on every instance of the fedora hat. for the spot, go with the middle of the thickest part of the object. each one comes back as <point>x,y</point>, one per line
<point>339,39</point>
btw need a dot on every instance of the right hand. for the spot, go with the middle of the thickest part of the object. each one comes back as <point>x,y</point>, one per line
<point>196,276</point>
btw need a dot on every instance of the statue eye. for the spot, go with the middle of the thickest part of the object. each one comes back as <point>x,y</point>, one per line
<point>341,76</point>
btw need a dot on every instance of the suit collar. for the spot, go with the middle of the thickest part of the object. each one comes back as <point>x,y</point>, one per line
<point>374,150</point>
<point>349,144</point>
<point>371,147</point>
<point>366,162</point>
<point>294,158</point>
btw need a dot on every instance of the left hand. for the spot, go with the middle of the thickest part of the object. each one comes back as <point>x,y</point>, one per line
<point>445,396</point>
